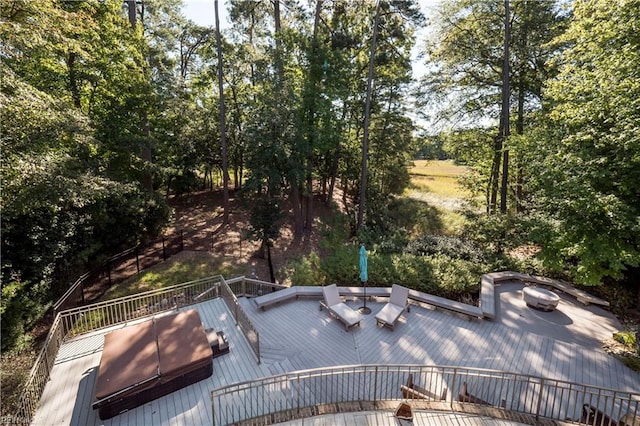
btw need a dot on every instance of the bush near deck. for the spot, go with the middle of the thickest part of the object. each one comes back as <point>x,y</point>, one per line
<point>436,274</point>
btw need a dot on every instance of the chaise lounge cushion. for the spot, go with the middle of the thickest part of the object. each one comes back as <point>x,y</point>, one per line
<point>338,308</point>
<point>390,313</point>
<point>347,315</point>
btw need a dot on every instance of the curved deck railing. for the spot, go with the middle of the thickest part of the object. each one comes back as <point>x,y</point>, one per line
<point>365,387</point>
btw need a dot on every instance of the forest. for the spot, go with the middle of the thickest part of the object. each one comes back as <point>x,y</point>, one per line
<point>108,107</point>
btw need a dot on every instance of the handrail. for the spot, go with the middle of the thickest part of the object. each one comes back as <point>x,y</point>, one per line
<point>291,395</point>
<point>242,320</point>
<point>116,311</point>
<point>39,373</point>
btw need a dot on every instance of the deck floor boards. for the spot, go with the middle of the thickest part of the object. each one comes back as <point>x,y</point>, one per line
<point>297,336</point>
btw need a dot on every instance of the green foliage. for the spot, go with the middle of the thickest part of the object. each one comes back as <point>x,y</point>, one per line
<point>454,247</point>
<point>57,221</point>
<point>436,274</point>
<point>589,163</point>
<point>499,233</point>
<point>431,148</point>
<point>22,304</point>
<point>305,271</point>
<point>465,52</point>
<point>265,220</point>
<point>62,209</point>
<point>627,338</point>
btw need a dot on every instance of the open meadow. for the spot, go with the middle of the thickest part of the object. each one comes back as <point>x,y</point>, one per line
<point>437,183</point>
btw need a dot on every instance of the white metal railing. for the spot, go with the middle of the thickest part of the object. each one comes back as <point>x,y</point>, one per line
<point>291,394</point>
<point>242,319</point>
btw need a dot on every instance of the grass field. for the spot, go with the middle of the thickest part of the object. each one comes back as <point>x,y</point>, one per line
<point>438,177</point>
<point>436,182</point>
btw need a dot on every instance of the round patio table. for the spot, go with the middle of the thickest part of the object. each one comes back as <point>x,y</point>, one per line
<point>540,298</point>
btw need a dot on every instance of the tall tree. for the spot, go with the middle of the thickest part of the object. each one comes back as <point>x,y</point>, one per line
<point>367,119</point>
<point>589,157</point>
<point>505,109</point>
<point>145,148</point>
<point>223,127</point>
<point>465,80</point>
<point>63,206</point>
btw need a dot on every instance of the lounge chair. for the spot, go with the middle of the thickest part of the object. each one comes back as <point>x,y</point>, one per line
<point>465,396</point>
<point>412,391</point>
<point>390,313</point>
<point>338,308</point>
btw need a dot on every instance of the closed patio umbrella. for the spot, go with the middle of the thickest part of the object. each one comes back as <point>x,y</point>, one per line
<point>364,277</point>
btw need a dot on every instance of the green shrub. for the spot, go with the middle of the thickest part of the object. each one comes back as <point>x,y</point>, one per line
<point>454,247</point>
<point>436,274</point>
<point>453,278</point>
<point>305,271</point>
<point>56,222</point>
<point>627,338</point>
<point>341,266</point>
<point>22,304</point>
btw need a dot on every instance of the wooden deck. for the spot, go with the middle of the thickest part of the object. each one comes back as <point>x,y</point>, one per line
<point>297,335</point>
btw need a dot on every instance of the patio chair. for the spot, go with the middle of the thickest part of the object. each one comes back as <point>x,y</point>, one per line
<point>412,391</point>
<point>465,396</point>
<point>338,308</point>
<point>390,313</point>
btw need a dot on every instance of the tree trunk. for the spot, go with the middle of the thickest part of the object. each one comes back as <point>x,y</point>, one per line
<point>145,150</point>
<point>367,113</point>
<point>524,35</point>
<point>272,275</point>
<point>495,173</point>
<point>223,129</point>
<point>133,19</point>
<point>298,227</point>
<point>73,81</point>
<point>309,217</point>
<point>314,78</point>
<point>505,111</point>
<point>333,174</point>
<point>278,57</point>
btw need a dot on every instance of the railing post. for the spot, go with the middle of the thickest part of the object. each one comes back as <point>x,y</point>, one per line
<point>258,346</point>
<point>455,375</point>
<point>164,251</point>
<point>299,387</point>
<point>375,385</point>
<point>539,400</point>
<point>137,259</point>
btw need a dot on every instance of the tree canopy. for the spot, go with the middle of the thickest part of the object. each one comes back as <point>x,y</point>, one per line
<point>589,157</point>
<point>108,106</point>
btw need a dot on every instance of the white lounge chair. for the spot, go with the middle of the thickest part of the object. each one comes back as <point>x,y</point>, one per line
<point>390,313</point>
<point>338,308</point>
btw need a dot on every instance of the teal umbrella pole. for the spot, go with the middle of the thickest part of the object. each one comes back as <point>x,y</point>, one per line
<point>364,277</point>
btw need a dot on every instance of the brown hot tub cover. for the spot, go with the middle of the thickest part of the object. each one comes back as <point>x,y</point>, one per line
<point>151,359</point>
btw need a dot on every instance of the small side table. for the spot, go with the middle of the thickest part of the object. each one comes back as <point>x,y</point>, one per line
<point>217,341</point>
